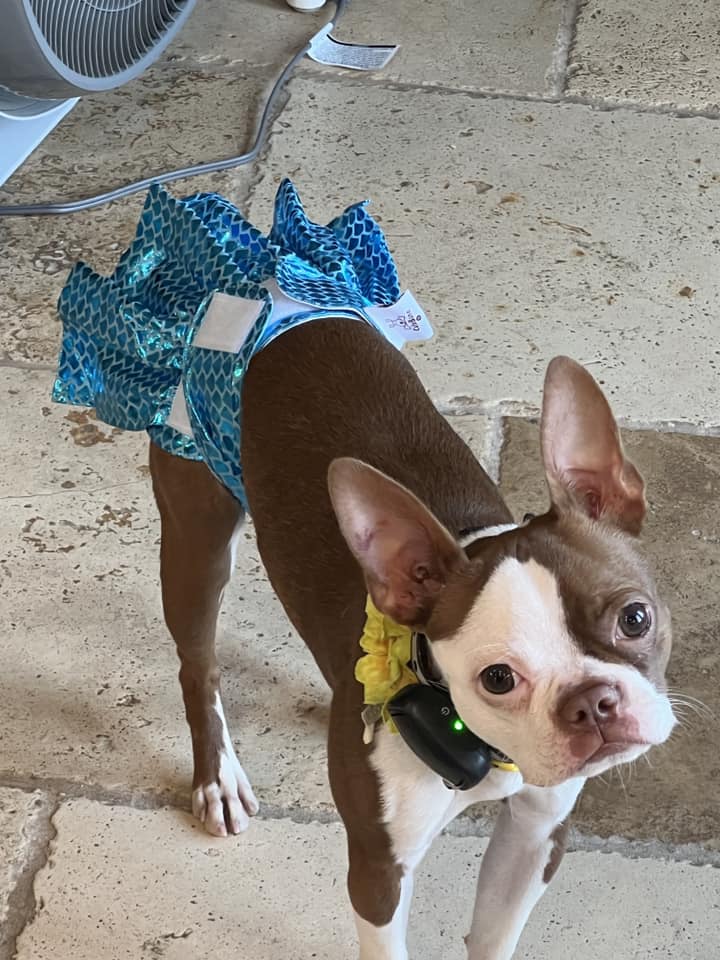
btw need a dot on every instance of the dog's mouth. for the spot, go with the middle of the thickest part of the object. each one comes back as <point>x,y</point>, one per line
<point>605,756</point>
<point>617,742</point>
<point>612,752</point>
<point>615,749</point>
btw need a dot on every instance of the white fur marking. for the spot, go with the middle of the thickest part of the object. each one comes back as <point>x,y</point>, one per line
<point>234,543</point>
<point>232,792</point>
<point>486,532</point>
<point>513,867</point>
<point>416,803</point>
<point>519,613</point>
<point>417,806</point>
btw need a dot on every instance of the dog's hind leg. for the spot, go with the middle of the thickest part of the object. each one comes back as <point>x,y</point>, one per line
<point>200,520</point>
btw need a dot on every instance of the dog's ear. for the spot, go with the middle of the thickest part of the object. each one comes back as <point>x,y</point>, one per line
<point>582,450</point>
<point>405,553</point>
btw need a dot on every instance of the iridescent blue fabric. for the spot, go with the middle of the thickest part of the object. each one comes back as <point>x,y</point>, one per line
<point>128,338</point>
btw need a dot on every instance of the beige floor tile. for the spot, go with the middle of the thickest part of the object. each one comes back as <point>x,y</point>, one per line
<point>655,53</point>
<point>127,884</point>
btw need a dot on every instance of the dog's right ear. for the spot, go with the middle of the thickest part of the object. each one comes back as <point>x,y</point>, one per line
<point>404,551</point>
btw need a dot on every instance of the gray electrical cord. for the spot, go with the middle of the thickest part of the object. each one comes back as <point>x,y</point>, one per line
<point>75,206</point>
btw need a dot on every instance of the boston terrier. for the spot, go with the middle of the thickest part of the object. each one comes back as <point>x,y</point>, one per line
<point>546,641</point>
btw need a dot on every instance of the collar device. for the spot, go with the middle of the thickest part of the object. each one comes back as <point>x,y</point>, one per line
<point>429,724</point>
<point>403,687</point>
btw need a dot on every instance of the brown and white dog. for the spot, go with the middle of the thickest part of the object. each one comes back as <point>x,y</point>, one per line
<point>550,635</point>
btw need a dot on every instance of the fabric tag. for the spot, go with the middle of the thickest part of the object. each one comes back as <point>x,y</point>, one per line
<point>227,322</point>
<point>353,56</point>
<point>403,322</point>
<point>179,418</point>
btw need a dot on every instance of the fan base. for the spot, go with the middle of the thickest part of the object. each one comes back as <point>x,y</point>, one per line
<point>19,136</point>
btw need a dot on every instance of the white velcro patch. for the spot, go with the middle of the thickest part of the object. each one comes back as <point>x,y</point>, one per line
<point>227,322</point>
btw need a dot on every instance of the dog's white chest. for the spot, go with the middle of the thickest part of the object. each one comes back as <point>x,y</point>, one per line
<point>416,804</point>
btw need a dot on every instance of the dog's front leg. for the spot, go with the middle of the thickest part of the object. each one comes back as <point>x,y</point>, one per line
<point>524,853</point>
<point>387,942</point>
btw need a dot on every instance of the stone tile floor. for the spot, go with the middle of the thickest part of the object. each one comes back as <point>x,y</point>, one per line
<point>546,173</point>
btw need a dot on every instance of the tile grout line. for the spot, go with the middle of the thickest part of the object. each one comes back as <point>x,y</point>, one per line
<point>503,409</point>
<point>22,905</point>
<point>458,406</point>
<point>694,854</point>
<point>461,405</point>
<point>496,442</point>
<point>62,789</point>
<point>557,74</point>
<point>7,364</point>
<point>58,791</point>
<point>556,80</point>
<point>602,105</point>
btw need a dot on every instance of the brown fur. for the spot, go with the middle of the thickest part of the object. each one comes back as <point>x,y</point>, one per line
<point>198,517</point>
<point>559,841</point>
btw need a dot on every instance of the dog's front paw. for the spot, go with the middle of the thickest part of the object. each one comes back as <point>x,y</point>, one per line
<point>226,804</point>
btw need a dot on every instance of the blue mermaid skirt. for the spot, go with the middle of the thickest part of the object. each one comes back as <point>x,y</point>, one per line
<point>164,342</point>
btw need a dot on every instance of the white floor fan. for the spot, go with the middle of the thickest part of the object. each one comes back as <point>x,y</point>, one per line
<point>54,51</point>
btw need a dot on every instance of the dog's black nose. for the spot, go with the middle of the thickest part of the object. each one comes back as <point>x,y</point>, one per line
<point>590,707</point>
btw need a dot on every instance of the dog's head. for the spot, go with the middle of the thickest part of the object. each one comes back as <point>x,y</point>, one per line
<point>551,635</point>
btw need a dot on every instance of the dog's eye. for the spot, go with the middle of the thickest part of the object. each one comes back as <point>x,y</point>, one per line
<point>498,678</point>
<point>634,621</point>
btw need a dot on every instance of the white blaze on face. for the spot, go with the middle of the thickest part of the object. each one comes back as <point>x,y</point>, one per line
<point>518,619</point>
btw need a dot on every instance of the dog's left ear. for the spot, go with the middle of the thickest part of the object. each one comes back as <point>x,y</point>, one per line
<point>582,450</point>
<point>406,554</point>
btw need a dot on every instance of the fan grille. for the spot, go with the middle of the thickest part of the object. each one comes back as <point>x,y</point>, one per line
<point>101,38</point>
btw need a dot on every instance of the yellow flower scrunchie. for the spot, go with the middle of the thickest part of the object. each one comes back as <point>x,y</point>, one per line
<point>384,671</point>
